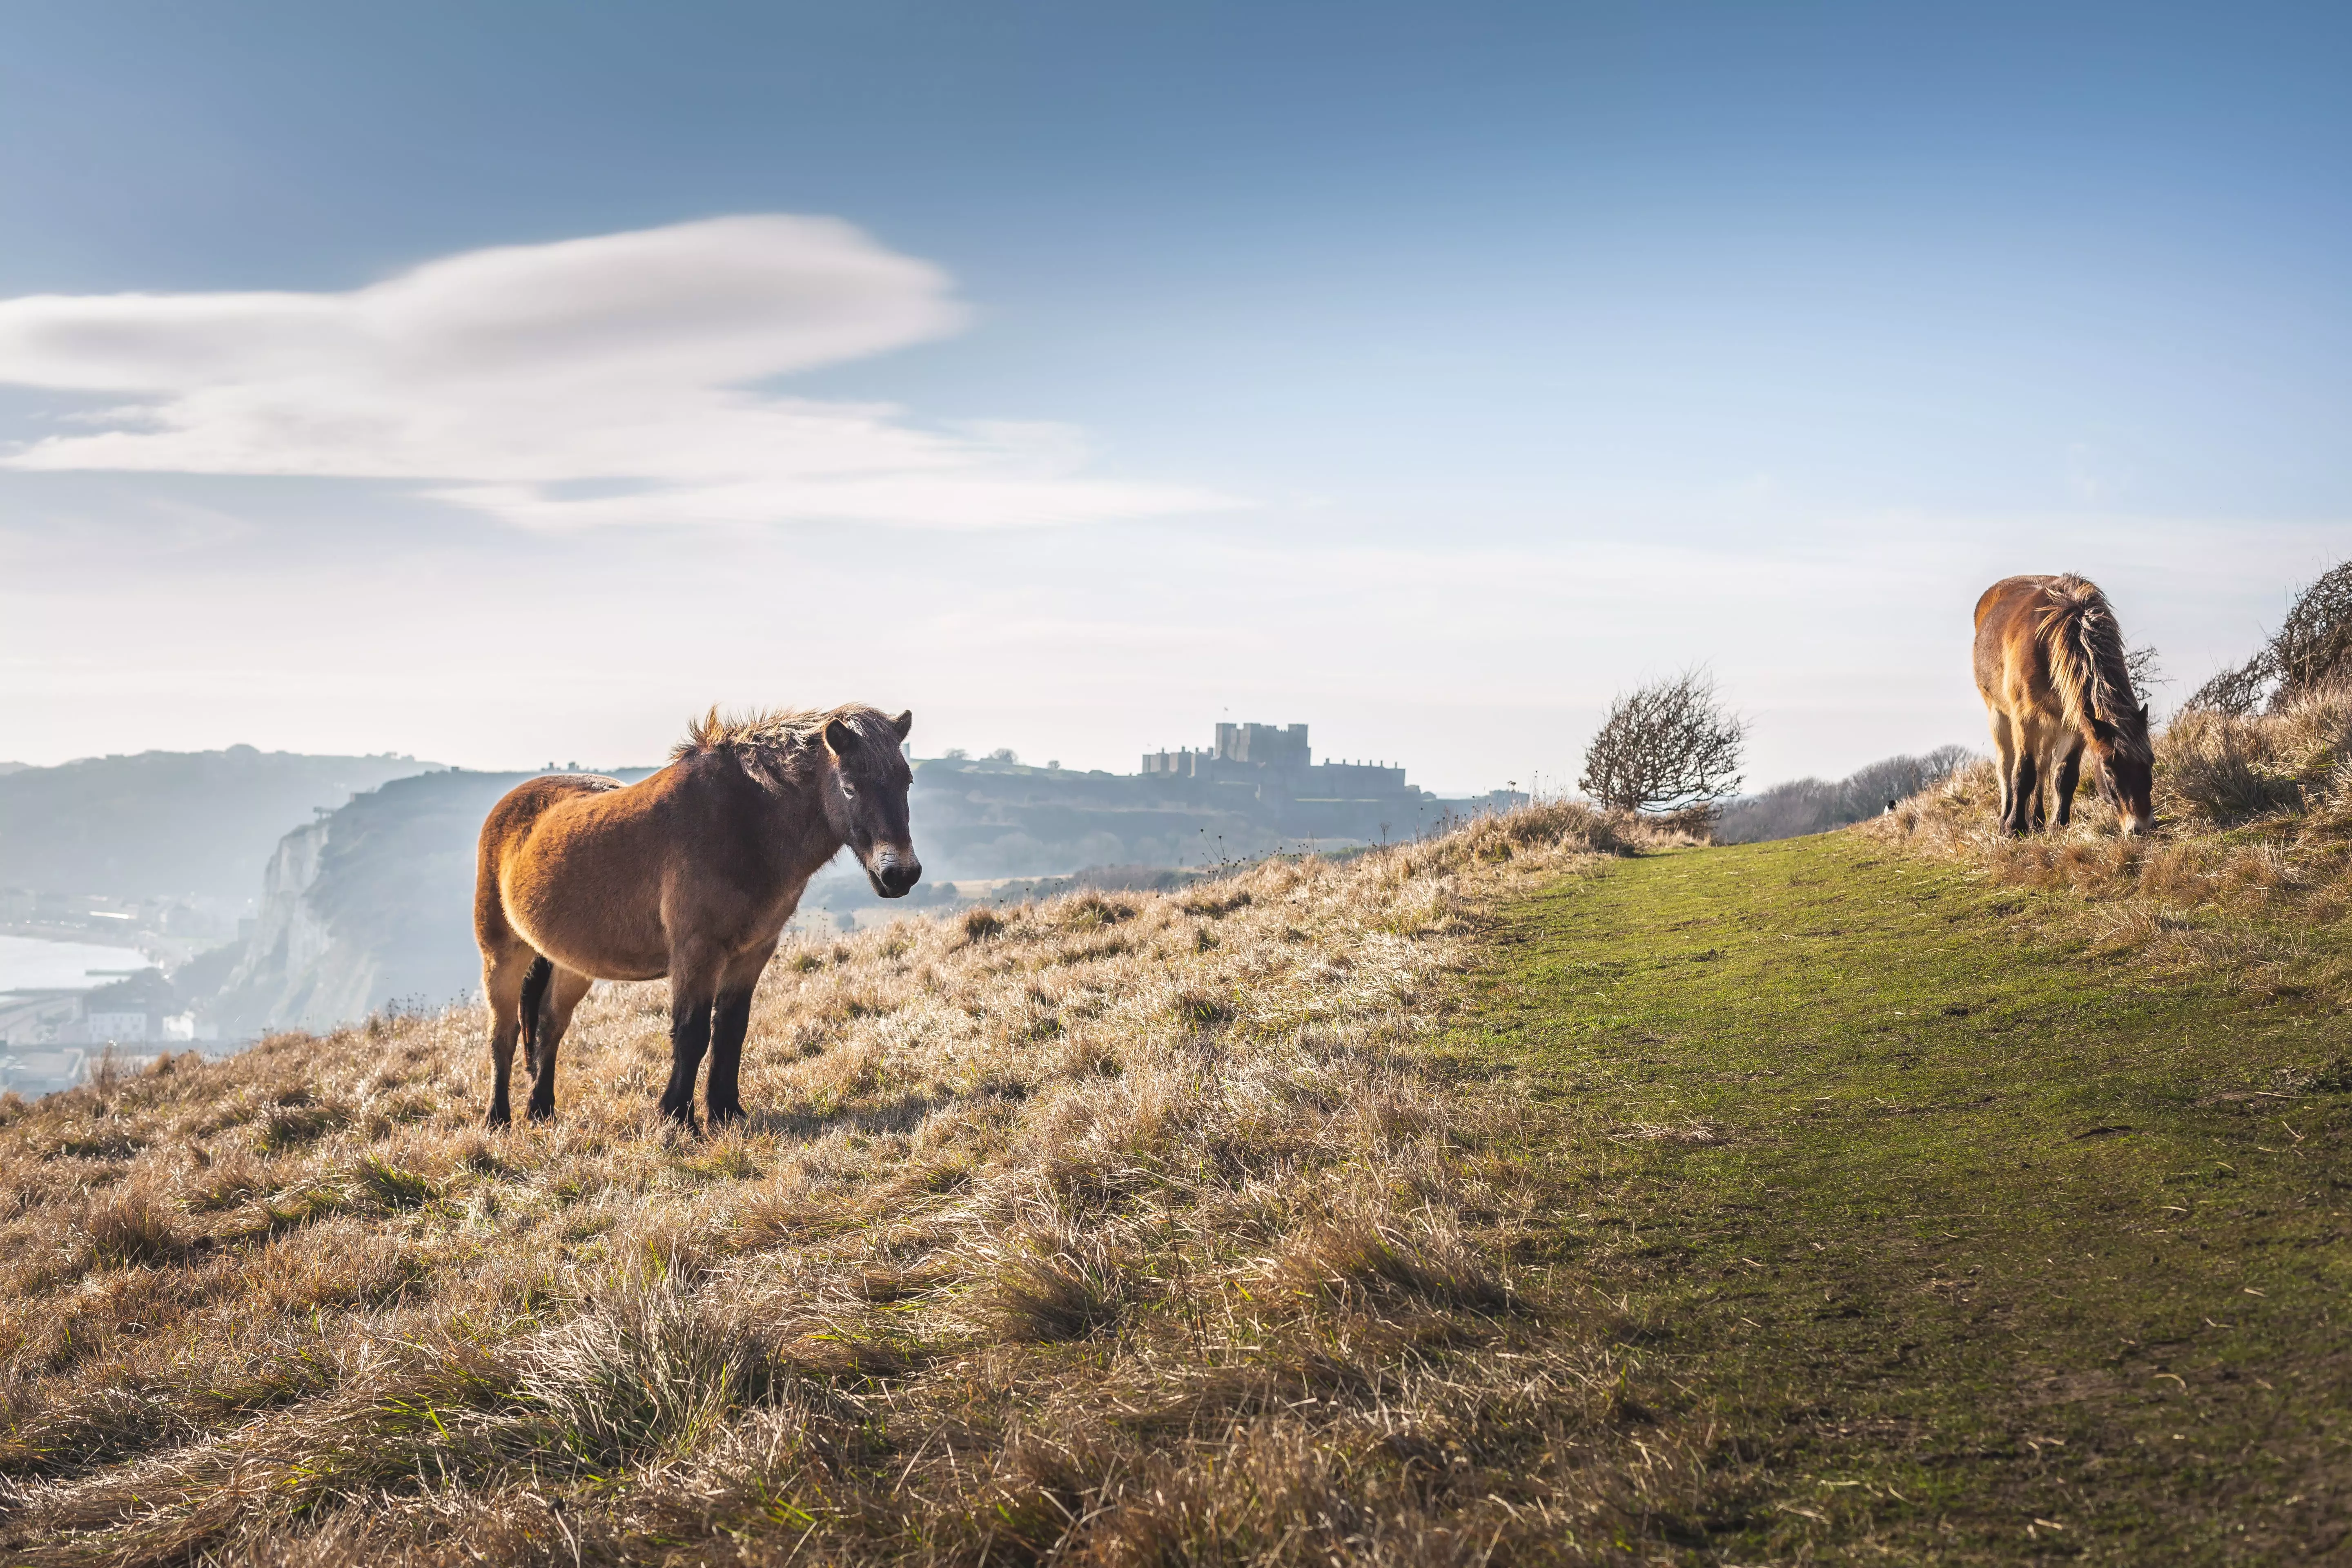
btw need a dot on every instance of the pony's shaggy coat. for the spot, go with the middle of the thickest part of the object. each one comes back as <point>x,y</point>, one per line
<point>691,873</point>
<point>2051,667</point>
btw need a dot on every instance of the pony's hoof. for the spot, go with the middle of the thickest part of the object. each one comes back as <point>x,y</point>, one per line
<point>500,1118</point>
<point>726,1115</point>
<point>538,1112</point>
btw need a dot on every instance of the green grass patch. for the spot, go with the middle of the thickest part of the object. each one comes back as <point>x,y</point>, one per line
<point>1971,1246</point>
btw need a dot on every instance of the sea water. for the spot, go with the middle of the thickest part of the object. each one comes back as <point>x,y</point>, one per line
<point>36,964</point>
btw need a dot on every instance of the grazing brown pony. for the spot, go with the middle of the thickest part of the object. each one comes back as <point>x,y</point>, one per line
<point>2050,664</point>
<point>690,873</point>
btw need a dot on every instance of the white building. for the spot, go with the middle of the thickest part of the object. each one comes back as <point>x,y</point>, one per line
<point>121,1028</point>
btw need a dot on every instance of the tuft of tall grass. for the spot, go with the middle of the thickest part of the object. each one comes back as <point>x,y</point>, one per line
<point>2222,769</point>
<point>647,1372</point>
<point>1360,1256</point>
<point>1044,1293</point>
<point>134,1228</point>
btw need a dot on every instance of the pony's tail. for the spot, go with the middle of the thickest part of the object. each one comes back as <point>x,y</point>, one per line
<point>534,996</point>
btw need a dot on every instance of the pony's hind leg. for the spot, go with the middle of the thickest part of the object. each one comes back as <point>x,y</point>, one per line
<point>2004,750</point>
<point>503,975</point>
<point>565,989</point>
<point>2044,750</point>
<point>2024,794</point>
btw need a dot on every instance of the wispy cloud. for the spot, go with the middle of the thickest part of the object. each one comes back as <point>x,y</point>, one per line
<point>616,379</point>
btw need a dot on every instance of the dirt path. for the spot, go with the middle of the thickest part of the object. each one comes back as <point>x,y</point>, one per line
<point>1986,1249</point>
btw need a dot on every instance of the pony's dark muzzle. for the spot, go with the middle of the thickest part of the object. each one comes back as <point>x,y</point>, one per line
<point>894,878</point>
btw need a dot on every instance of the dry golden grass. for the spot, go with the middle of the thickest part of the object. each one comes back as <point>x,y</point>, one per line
<point>2253,852</point>
<point>1118,1228</point>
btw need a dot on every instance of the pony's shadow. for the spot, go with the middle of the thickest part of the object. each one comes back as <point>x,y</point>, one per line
<point>901,1115</point>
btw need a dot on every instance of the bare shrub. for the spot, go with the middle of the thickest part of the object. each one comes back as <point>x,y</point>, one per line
<point>1666,746</point>
<point>2311,650</point>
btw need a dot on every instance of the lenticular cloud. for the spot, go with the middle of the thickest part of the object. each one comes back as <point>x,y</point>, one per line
<point>609,380</point>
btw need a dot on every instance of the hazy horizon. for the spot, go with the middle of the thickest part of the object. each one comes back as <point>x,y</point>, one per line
<point>494,384</point>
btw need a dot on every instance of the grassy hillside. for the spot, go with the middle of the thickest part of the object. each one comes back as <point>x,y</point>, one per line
<point>1137,1224</point>
<point>1940,1235</point>
<point>1534,1194</point>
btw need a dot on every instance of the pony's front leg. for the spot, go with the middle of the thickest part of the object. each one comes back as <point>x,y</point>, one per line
<point>693,986</point>
<point>689,1037</point>
<point>730,1020</point>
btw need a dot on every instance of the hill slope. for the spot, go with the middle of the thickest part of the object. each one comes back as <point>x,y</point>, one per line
<point>1980,1244</point>
<point>1091,1208</point>
<point>1498,1197</point>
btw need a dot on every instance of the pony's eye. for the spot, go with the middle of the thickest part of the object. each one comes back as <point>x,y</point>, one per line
<point>848,788</point>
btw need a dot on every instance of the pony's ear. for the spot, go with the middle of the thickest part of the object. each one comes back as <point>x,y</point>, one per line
<point>839,737</point>
<point>2143,715</point>
<point>904,722</point>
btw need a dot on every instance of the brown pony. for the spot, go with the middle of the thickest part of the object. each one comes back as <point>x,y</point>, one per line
<point>690,873</point>
<point>2050,664</point>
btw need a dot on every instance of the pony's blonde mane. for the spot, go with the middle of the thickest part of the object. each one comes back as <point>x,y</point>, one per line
<point>779,745</point>
<point>2085,647</point>
<point>783,729</point>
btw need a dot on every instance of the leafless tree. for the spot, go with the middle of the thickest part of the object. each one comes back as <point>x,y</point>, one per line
<point>1667,746</point>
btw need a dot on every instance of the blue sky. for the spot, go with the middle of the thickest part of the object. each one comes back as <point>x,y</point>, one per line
<point>1426,374</point>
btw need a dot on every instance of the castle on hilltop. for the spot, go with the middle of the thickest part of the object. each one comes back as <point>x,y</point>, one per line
<point>1278,754</point>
